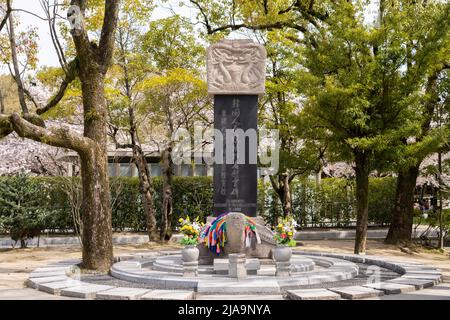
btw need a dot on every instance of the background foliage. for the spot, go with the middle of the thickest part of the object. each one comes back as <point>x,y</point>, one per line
<point>330,205</point>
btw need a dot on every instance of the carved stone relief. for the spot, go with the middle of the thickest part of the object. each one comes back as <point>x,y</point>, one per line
<point>236,67</point>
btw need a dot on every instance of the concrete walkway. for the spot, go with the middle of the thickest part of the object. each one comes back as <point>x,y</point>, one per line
<point>439,292</point>
<point>15,266</point>
<point>28,294</point>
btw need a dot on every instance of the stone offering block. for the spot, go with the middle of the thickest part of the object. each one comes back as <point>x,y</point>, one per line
<point>221,266</point>
<point>237,266</point>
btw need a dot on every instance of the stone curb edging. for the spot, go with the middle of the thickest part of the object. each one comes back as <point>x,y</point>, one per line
<point>414,276</point>
<point>338,270</point>
<point>55,279</point>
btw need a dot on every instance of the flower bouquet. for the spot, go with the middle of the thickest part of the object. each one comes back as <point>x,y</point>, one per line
<point>191,231</point>
<point>284,232</point>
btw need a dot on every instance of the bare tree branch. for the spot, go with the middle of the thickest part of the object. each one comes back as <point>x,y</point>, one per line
<point>51,19</point>
<point>57,137</point>
<point>307,13</point>
<point>7,14</point>
<point>15,62</point>
<point>72,74</point>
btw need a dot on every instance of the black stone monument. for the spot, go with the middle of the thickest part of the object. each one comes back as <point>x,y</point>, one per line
<point>235,184</point>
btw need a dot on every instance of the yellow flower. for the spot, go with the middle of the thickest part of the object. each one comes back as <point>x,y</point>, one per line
<point>280,225</point>
<point>180,220</point>
<point>289,233</point>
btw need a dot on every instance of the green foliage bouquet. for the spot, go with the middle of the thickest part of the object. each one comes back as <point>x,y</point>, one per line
<point>284,232</point>
<point>191,230</point>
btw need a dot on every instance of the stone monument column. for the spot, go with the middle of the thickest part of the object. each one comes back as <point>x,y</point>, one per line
<point>236,72</point>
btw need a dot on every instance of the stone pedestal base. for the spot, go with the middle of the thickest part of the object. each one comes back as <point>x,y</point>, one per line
<point>236,267</point>
<point>190,269</point>
<point>261,250</point>
<point>283,269</point>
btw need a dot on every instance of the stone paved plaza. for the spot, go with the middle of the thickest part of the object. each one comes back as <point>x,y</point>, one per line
<point>146,277</point>
<point>49,273</point>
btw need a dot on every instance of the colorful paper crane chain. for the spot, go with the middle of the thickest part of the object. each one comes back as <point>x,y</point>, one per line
<point>214,235</point>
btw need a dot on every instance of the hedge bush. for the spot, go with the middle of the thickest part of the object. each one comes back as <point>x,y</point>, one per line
<point>332,204</point>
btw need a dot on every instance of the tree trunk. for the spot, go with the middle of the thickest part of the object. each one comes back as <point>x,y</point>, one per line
<point>440,207</point>
<point>400,229</point>
<point>362,200</point>
<point>92,62</point>
<point>96,208</point>
<point>145,187</point>
<point>286,197</point>
<point>145,180</point>
<point>319,172</point>
<point>167,208</point>
<point>2,102</point>
<point>283,190</point>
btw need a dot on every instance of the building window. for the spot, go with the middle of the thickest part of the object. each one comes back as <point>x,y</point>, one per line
<point>125,170</point>
<point>134,170</point>
<point>155,169</point>
<point>200,170</point>
<point>112,169</point>
<point>186,170</point>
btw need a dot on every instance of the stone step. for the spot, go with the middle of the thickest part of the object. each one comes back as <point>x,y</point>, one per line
<point>239,297</point>
<point>357,292</point>
<point>56,287</point>
<point>391,288</point>
<point>435,278</point>
<point>43,274</point>
<point>169,295</point>
<point>312,294</point>
<point>34,282</point>
<point>85,291</point>
<point>419,284</point>
<point>121,293</point>
<point>239,287</point>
